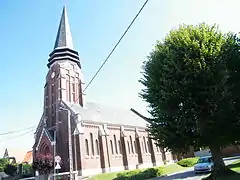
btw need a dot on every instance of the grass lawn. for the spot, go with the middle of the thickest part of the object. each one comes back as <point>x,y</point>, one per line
<point>172,168</point>
<point>167,169</point>
<point>104,176</point>
<point>232,177</point>
<point>235,166</point>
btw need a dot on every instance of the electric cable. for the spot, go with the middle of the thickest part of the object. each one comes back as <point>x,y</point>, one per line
<point>11,132</point>
<point>23,134</point>
<point>125,32</point>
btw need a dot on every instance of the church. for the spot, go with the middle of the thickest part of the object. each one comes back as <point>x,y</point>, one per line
<point>90,138</point>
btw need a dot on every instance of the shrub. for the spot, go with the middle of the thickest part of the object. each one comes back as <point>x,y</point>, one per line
<point>125,175</point>
<point>27,168</point>
<point>139,174</point>
<point>188,162</point>
<point>10,169</point>
<point>3,163</point>
<point>43,163</point>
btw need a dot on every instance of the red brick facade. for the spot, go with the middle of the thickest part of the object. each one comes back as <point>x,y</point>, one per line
<point>103,148</point>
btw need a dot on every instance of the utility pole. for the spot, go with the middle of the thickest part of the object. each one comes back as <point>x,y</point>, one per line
<point>54,154</point>
<point>70,145</point>
<point>75,149</point>
<point>58,99</point>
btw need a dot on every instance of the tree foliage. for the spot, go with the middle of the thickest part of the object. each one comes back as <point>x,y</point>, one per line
<point>192,85</point>
<point>3,163</point>
<point>10,169</point>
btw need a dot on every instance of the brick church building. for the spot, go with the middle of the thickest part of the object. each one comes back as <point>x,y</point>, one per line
<point>90,138</point>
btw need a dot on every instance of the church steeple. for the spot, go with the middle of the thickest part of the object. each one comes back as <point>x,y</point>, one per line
<point>64,36</point>
<point>5,156</point>
<point>63,48</point>
<point>64,79</point>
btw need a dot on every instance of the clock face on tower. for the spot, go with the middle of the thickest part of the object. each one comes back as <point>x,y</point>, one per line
<point>53,75</point>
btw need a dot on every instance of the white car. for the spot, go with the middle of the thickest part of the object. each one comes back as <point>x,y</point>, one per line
<point>204,164</point>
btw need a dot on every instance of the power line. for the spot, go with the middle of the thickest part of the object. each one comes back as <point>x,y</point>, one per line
<point>23,134</point>
<point>14,137</point>
<point>11,132</point>
<point>17,136</point>
<point>115,46</point>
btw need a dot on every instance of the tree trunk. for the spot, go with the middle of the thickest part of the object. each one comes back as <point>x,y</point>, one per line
<point>219,166</point>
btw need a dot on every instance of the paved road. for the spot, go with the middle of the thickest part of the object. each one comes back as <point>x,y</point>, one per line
<point>190,175</point>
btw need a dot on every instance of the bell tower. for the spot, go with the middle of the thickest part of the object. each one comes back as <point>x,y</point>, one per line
<point>64,79</point>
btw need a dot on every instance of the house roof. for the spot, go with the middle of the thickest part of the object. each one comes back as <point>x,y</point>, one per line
<point>28,157</point>
<point>106,114</point>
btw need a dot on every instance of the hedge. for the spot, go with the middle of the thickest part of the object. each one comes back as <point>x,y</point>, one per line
<point>188,162</point>
<point>140,174</point>
<point>27,168</point>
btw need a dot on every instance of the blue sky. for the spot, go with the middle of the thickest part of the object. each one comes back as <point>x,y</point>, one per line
<point>27,34</point>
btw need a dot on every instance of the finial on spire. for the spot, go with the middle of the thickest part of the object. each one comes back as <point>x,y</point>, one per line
<point>64,37</point>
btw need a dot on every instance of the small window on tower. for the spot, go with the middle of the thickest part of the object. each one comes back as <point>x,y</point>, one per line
<point>72,66</point>
<point>73,87</point>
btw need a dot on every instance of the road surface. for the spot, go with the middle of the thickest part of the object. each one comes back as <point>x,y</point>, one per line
<point>190,175</point>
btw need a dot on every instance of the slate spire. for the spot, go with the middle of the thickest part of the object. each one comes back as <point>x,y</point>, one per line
<point>64,36</point>
<point>63,48</point>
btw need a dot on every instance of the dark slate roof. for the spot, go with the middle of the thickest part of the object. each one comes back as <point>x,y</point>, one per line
<point>64,37</point>
<point>106,114</point>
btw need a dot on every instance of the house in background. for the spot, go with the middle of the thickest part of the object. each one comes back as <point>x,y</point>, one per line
<point>28,159</point>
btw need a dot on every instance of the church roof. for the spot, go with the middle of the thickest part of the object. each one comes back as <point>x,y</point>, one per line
<point>106,114</point>
<point>64,37</point>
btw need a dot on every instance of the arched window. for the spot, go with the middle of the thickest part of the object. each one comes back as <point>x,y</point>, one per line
<point>129,151</point>
<point>73,89</point>
<point>120,147</point>
<point>131,142</point>
<point>145,144</point>
<point>68,87</point>
<point>97,147</point>
<point>115,144</point>
<point>92,144</point>
<point>143,149</point>
<point>135,146</point>
<point>148,147</point>
<point>46,150</point>
<point>86,147</point>
<point>111,144</point>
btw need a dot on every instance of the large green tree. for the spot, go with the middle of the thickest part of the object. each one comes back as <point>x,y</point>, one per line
<point>192,84</point>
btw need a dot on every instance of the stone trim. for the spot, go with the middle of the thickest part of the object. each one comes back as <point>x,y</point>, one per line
<point>122,131</point>
<point>128,127</point>
<point>40,123</point>
<point>137,133</point>
<point>48,136</point>
<point>101,131</point>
